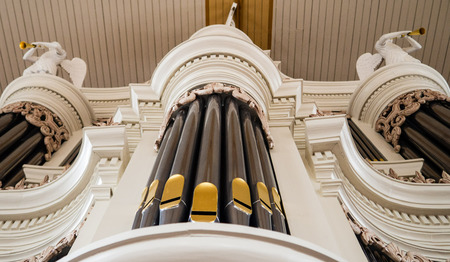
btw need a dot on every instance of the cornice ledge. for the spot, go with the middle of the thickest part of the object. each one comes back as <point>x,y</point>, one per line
<point>332,134</point>
<point>68,92</point>
<point>205,241</point>
<point>387,83</point>
<point>215,44</point>
<point>98,142</point>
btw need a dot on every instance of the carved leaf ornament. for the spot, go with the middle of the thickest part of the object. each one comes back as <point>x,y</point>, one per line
<point>51,126</point>
<point>394,115</point>
<point>371,240</point>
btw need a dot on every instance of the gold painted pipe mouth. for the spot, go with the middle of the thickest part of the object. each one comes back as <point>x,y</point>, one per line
<point>204,205</point>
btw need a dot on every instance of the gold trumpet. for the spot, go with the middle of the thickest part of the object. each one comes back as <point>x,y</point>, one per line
<point>420,31</point>
<point>25,45</point>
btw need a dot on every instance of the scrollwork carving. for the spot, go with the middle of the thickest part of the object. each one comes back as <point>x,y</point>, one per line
<point>49,123</point>
<point>216,88</point>
<point>394,115</point>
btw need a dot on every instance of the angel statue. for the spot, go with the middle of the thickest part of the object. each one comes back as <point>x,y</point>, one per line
<point>390,52</point>
<point>48,62</point>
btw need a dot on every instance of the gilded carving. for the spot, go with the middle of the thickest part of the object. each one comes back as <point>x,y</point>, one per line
<point>394,115</point>
<point>216,88</point>
<point>49,123</point>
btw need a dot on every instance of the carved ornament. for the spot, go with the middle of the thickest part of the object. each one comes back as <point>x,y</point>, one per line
<point>51,126</point>
<point>394,115</point>
<point>216,88</point>
<point>372,241</point>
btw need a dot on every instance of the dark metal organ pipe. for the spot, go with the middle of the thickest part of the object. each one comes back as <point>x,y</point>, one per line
<point>238,206</point>
<point>260,197</point>
<point>20,143</point>
<point>150,212</point>
<point>278,218</point>
<point>176,198</point>
<point>204,168</point>
<point>205,202</point>
<point>146,195</point>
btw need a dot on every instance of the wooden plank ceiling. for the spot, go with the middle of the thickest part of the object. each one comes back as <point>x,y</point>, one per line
<point>322,39</point>
<point>123,40</point>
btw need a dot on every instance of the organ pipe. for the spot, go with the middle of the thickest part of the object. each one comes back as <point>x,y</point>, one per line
<point>441,112</point>
<point>13,135</point>
<point>427,148</point>
<point>278,218</point>
<point>17,155</point>
<point>213,166</point>
<point>34,158</point>
<point>432,127</point>
<point>238,206</point>
<point>150,212</point>
<point>205,202</point>
<point>262,211</point>
<point>146,195</point>
<point>176,197</point>
<point>5,121</point>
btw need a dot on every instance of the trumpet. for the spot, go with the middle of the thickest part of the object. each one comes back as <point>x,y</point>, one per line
<point>420,31</point>
<point>25,45</point>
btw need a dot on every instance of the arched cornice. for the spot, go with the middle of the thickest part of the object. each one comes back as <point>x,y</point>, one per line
<point>213,42</point>
<point>413,215</point>
<point>56,94</point>
<point>389,82</point>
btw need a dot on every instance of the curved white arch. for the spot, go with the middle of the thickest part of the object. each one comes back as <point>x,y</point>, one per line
<point>56,94</point>
<point>389,82</point>
<point>221,30</point>
<point>215,45</point>
<point>201,242</point>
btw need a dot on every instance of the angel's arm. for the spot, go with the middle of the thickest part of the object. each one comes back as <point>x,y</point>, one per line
<point>29,55</point>
<point>382,41</point>
<point>414,45</point>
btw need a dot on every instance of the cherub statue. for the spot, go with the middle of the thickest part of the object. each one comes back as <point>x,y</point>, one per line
<point>48,62</point>
<point>390,52</point>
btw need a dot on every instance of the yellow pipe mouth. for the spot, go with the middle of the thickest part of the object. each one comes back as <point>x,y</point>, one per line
<point>241,195</point>
<point>263,195</point>
<point>151,193</point>
<point>204,206</point>
<point>173,191</point>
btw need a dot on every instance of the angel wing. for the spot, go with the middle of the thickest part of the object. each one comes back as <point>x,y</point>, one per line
<point>367,63</point>
<point>77,70</point>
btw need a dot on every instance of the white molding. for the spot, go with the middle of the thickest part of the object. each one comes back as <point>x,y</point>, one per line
<point>389,82</point>
<point>218,40</point>
<point>55,93</point>
<point>98,142</point>
<point>415,216</point>
<point>333,134</point>
<point>32,219</point>
<point>202,242</point>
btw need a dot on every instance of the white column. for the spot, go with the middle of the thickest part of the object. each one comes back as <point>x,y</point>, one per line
<point>310,216</point>
<point>119,214</point>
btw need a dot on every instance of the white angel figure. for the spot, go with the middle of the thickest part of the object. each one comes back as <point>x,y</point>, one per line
<point>387,50</point>
<point>48,62</point>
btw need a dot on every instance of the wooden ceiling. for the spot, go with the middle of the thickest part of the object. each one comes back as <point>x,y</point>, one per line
<point>122,41</point>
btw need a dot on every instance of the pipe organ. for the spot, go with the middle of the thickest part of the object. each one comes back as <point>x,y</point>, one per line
<point>20,143</point>
<point>214,166</point>
<point>417,125</point>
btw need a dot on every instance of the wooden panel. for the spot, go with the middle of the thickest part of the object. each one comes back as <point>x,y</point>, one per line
<point>253,17</point>
<point>331,34</point>
<point>121,41</point>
